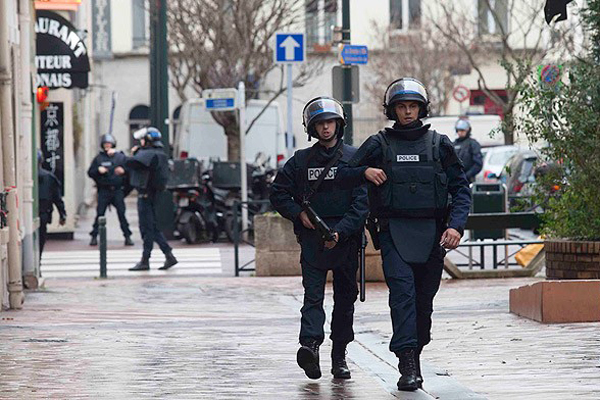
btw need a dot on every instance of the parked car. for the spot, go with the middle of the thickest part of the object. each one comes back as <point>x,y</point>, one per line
<point>494,160</point>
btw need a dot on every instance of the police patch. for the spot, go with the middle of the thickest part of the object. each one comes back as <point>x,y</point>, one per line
<point>407,158</point>
<point>314,173</point>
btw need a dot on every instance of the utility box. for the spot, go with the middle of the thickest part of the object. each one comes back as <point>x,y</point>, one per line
<point>488,198</point>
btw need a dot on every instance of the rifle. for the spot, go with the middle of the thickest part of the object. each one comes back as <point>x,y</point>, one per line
<point>362,265</point>
<point>326,232</point>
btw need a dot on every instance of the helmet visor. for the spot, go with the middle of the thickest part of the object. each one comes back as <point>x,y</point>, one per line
<point>406,89</point>
<point>323,109</point>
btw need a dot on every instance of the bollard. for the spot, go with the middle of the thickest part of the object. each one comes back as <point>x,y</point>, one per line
<point>236,237</point>
<point>102,234</point>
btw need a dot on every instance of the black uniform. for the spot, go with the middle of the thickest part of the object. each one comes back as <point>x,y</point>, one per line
<point>345,211</point>
<point>468,151</point>
<point>149,173</point>
<point>422,169</point>
<point>111,188</point>
<point>49,196</point>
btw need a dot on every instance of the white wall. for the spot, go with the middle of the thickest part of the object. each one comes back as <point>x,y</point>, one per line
<point>121,25</point>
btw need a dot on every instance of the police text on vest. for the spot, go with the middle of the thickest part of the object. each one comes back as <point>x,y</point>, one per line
<point>407,158</point>
<point>313,173</point>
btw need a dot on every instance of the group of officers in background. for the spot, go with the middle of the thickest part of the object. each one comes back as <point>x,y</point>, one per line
<point>409,184</point>
<point>115,175</point>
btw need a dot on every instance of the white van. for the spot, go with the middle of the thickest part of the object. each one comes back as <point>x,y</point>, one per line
<point>199,136</point>
<point>481,127</point>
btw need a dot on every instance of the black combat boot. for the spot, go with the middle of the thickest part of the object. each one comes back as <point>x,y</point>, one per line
<point>339,368</point>
<point>169,261</point>
<point>94,241</point>
<point>143,265</point>
<point>408,369</point>
<point>418,366</point>
<point>128,241</point>
<point>308,359</point>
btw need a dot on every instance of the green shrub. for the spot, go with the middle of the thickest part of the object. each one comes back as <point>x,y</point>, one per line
<point>567,118</point>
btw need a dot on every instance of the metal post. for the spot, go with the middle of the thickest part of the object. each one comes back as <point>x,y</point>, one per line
<point>347,75</point>
<point>159,78</point>
<point>243,171</point>
<point>290,104</point>
<point>236,238</point>
<point>102,246</point>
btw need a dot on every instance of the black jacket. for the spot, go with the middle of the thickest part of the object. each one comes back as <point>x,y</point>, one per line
<point>370,155</point>
<point>287,193</point>
<point>109,179</point>
<point>469,152</point>
<point>49,193</point>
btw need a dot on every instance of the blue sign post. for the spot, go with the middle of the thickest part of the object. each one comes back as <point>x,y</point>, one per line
<point>289,49</point>
<point>353,54</point>
<point>220,99</point>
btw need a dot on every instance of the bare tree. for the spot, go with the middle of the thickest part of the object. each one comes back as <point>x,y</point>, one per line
<point>218,43</point>
<point>424,54</point>
<point>510,32</point>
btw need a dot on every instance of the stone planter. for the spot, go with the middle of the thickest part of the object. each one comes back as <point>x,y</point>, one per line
<point>572,259</point>
<point>278,252</point>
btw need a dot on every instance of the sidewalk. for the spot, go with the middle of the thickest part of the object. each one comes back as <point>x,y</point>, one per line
<point>226,338</point>
<point>174,338</point>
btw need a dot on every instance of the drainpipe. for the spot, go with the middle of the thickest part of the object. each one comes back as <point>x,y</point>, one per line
<point>15,282</point>
<point>29,256</point>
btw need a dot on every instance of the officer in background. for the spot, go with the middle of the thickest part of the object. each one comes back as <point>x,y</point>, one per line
<point>468,149</point>
<point>413,169</point>
<point>344,211</point>
<point>49,188</point>
<point>149,169</point>
<point>108,171</point>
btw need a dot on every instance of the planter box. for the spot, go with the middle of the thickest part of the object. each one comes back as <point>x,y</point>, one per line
<point>278,252</point>
<point>572,259</point>
<point>557,301</point>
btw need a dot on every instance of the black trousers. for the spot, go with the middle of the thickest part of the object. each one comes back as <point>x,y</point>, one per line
<point>148,229</point>
<point>412,288</point>
<point>116,197</point>
<point>45,218</point>
<point>345,292</point>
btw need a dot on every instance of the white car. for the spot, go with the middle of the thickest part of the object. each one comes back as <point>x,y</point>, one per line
<point>494,160</point>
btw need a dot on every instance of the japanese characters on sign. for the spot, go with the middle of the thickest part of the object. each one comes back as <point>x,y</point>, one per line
<point>52,140</point>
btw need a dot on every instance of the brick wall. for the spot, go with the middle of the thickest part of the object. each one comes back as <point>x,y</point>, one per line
<point>572,260</point>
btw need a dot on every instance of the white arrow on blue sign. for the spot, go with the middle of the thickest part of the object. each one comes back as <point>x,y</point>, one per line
<point>289,48</point>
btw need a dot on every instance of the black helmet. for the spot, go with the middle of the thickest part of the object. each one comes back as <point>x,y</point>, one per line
<point>405,89</point>
<point>319,109</point>
<point>108,138</point>
<point>150,134</point>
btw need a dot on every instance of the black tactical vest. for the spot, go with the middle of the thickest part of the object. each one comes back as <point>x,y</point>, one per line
<point>329,200</point>
<point>417,186</point>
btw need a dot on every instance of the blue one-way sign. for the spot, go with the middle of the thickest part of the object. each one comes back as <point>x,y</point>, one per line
<point>289,48</point>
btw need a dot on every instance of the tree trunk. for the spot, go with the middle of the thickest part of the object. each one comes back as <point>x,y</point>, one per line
<point>508,125</point>
<point>233,141</point>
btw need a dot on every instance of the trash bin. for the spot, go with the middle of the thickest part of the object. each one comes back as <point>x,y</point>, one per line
<point>488,198</point>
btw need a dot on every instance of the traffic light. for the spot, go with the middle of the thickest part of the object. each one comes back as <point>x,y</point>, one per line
<point>41,95</point>
<point>554,8</point>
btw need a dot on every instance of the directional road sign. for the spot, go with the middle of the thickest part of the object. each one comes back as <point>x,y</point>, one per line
<point>220,99</point>
<point>289,47</point>
<point>353,54</point>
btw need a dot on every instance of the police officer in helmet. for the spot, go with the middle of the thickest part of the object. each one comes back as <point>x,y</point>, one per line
<point>149,174</point>
<point>413,170</point>
<point>344,211</point>
<point>49,189</point>
<point>468,149</point>
<point>108,171</point>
